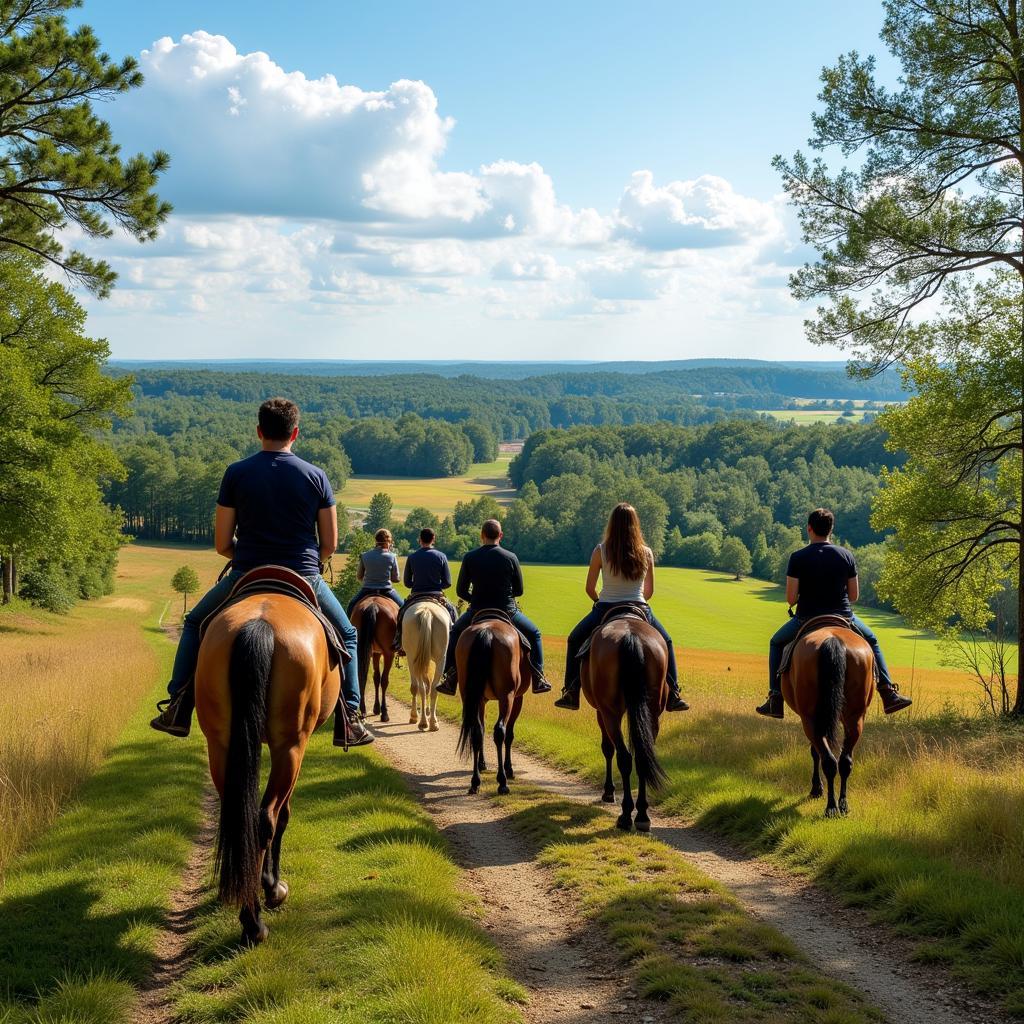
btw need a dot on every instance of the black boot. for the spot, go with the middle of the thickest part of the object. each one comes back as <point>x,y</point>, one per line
<point>450,682</point>
<point>348,730</point>
<point>175,716</point>
<point>570,699</point>
<point>892,699</point>
<point>675,698</point>
<point>773,707</point>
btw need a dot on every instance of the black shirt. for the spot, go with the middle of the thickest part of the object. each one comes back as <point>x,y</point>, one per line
<point>490,577</point>
<point>427,571</point>
<point>824,570</point>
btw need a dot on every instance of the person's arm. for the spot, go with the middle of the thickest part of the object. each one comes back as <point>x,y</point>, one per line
<point>649,578</point>
<point>361,572</point>
<point>224,531</point>
<point>394,569</point>
<point>792,590</point>
<point>517,577</point>
<point>462,587</point>
<point>447,578</point>
<point>592,573</point>
<point>327,531</point>
<point>407,573</point>
<point>853,588</point>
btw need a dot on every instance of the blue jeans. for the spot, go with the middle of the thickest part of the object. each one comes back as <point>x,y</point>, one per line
<point>187,655</point>
<point>787,634</point>
<point>519,620</point>
<point>363,591</point>
<point>589,623</point>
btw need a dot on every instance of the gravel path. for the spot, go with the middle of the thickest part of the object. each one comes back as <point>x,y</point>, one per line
<point>536,927</point>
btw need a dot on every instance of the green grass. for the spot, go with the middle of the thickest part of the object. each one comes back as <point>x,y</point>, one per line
<point>804,416</point>
<point>374,929</point>
<point>686,939</point>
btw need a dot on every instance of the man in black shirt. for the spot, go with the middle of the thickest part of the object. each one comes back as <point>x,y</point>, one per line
<point>822,580</point>
<point>491,578</point>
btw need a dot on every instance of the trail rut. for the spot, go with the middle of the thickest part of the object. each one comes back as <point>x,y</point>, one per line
<point>530,920</point>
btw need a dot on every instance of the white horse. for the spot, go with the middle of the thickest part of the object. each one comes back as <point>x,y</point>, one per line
<point>425,639</point>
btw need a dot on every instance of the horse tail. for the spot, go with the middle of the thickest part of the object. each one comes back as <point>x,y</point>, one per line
<point>478,668</point>
<point>633,680</point>
<point>831,688</point>
<point>417,641</point>
<point>367,630</point>
<point>239,848</point>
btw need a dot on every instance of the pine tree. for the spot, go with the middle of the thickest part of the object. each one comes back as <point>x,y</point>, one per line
<point>378,517</point>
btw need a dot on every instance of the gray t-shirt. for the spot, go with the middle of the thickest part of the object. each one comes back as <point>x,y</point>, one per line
<point>380,568</point>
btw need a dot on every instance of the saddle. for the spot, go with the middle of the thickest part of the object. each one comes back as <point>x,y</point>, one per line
<point>426,595</point>
<point>499,615</point>
<point>625,610</point>
<point>818,622</point>
<point>276,579</point>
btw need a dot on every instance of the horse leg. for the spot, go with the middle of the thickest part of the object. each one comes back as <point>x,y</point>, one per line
<point>431,692</point>
<point>499,743</point>
<point>510,732</point>
<point>481,760</point>
<point>851,735</point>
<point>625,762</point>
<point>608,749</point>
<point>830,766</point>
<point>479,765</point>
<point>275,889</point>
<point>376,684</point>
<point>384,679</point>
<point>816,787</point>
<point>274,816</point>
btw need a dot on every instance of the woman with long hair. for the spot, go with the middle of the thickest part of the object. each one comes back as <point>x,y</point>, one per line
<point>626,566</point>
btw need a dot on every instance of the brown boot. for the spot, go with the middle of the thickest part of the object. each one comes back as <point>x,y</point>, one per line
<point>892,699</point>
<point>773,707</point>
<point>175,716</point>
<point>348,730</point>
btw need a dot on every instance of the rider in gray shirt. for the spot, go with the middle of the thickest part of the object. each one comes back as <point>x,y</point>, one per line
<point>378,570</point>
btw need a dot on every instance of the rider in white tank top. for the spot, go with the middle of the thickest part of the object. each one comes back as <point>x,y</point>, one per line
<point>616,588</point>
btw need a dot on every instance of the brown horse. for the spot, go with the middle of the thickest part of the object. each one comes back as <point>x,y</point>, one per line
<point>624,674</point>
<point>376,622</point>
<point>831,679</point>
<point>492,666</point>
<point>265,675</point>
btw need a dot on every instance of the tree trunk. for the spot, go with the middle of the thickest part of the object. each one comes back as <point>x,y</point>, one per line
<point>6,567</point>
<point>14,573</point>
<point>1018,704</point>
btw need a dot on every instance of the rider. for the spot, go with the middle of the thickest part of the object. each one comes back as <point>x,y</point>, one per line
<point>378,569</point>
<point>491,579</point>
<point>822,580</point>
<point>273,509</point>
<point>426,572</point>
<point>626,566</point>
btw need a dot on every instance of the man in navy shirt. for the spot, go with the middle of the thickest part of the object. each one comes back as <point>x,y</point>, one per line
<point>273,509</point>
<point>821,579</point>
<point>491,578</point>
<point>426,572</point>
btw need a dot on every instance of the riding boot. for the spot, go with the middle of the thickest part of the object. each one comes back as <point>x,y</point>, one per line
<point>773,707</point>
<point>540,682</point>
<point>175,716</point>
<point>675,698</point>
<point>450,682</point>
<point>348,730</point>
<point>570,699</point>
<point>892,699</point>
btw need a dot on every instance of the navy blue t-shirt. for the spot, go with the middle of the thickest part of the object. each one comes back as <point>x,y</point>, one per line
<point>276,497</point>
<point>427,571</point>
<point>824,570</point>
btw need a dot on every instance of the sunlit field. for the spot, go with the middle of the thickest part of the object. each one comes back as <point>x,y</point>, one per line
<point>804,416</point>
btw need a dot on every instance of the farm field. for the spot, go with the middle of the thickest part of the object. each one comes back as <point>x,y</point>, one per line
<point>805,416</point>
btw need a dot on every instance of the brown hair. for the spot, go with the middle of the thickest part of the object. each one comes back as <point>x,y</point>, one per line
<point>821,521</point>
<point>383,538</point>
<point>278,418</point>
<point>427,535</point>
<point>625,551</point>
<point>491,529</point>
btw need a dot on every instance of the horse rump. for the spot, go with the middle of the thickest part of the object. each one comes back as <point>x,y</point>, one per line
<point>240,846</point>
<point>831,688</point>
<point>633,680</point>
<point>478,668</point>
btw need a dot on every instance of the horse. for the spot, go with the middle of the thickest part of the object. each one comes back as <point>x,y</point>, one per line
<point>265,674</point>
<point>492,665</point>
<point>425,638</point>
<point>623,673</point>
<point>830,678</point>
<point>376,622</point>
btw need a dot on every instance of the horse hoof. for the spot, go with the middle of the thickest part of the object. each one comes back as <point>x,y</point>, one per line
<point>503,790</point>
<point>256,937</point>
<point>434,726</point>
<point>509,774</point>
<point>817,794</point>
<point>831,812</point>
<point>276,896</point>
<point>608,798</point>
<point>643,825</point>
<point>412,718</point>
<point>473,790</point>
<point>844,808</point>
<point>422,726</point>
<point>385,717</point>
<point>376,708</point>
<point>624,822</point>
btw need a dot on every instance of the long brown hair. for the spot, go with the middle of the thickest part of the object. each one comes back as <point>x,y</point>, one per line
<point>625,550</point>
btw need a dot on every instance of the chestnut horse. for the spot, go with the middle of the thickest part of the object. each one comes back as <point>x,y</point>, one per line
<point>492,665</point>
<point>376,622</point>
<point>831,679</point>
<point>623,673</point>
<point>265,675</point>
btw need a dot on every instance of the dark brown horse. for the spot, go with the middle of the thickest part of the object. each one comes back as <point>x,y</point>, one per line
<point>831,679</point>
<point>376,622</point>
<point>265,675</point>
<point>492,666</point>
<point>624,674</point>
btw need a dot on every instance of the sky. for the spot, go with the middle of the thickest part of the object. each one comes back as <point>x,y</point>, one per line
<point>558,180</point>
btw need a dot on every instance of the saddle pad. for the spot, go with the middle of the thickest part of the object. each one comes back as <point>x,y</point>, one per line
<point>499,615</point>
<point>818,622</point>
<point>625,610</point>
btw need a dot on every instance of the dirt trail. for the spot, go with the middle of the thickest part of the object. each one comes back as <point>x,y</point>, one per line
<point>542,929</point>
<point>172,949</point>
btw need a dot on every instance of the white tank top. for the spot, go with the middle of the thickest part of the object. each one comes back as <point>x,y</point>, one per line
<point>615,588</point>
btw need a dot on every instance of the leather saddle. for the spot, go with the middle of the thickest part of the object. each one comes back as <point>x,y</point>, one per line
<point>818,622</point>
<point>276,579</point>
<point>500,615</point>
<point>426,595</point>
<point>624,610</point>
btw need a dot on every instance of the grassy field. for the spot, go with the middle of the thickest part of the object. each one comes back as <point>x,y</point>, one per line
<point>804,416</point>
<point>438,494</point>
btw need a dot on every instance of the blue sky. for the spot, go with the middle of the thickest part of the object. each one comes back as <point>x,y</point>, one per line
<point>556,180</point>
